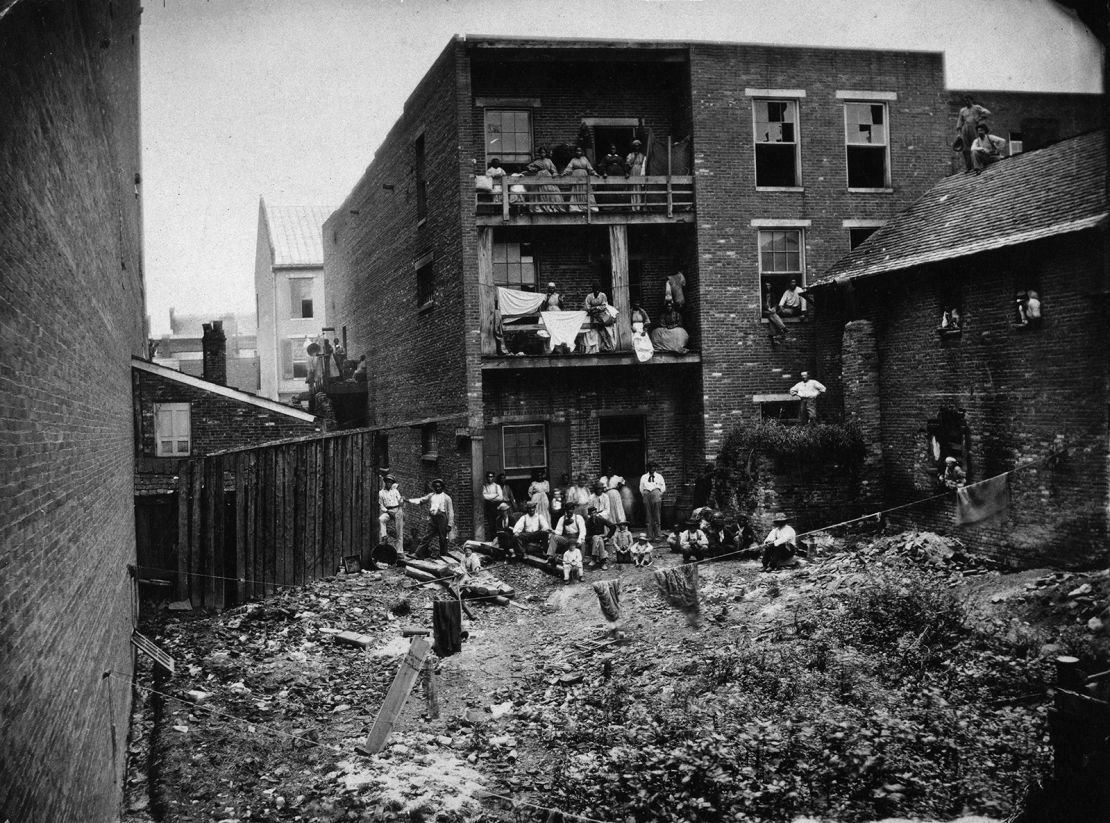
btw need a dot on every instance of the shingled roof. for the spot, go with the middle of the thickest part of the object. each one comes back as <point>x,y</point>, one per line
<point>296,234</point>
<point>1054,190</point>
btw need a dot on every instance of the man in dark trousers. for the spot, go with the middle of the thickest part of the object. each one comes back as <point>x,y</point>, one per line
<point>442,512</point>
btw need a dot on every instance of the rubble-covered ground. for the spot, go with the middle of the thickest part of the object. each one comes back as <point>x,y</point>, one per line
<point>890,677</point>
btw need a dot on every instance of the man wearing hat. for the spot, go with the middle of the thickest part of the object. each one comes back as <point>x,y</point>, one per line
<point>531,530</point>
<point>503,530</point>
<point>389,508</point>
<point>693,542</point>
<point>569,532</point>
<point>598,530</point>
<point>492,497</point>
<point>641,550</point>
<point>780,544</point>
<point>442,512</point>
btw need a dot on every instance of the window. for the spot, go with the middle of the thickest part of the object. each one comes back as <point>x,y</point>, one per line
<point>781,262</point>
<point>425,282</point>
<point>294,360</point>
<point>508,135</point>
<point>524,448</point>
<point>858,235</point>
<point>171,429</point>
<point>421,182</point>
<point>514,266</point>
<point>429,442</point>
<point>776,143</point>
<point>300,297</point>
<point>865,133</point>
<point>1016,143</point>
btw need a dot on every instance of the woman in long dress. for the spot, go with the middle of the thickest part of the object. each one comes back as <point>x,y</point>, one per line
<point>669,334</point>
<point>538,492</point>
<point>544,196</point>
<point>613,482</point>
<point>597,307</point>
<point>580,166</point>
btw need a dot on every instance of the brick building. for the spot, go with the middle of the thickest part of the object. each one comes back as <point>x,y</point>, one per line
<point>178,416</point>
<point>71,318</point>
<point>290,294</point>
<point>792,151</point>
<point>990,390</point>
<point>182,349</point>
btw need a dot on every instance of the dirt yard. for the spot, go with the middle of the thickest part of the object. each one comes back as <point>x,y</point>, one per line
<point>886,678</point>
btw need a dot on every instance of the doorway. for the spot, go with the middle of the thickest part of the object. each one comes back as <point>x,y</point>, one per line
<point>622,445</point>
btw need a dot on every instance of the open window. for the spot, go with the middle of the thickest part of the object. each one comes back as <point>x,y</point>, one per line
<point>785,409</point>
<point>172,430</point>
<point>866,138</point>
<point>859,234</point>
<point>1027,307</point>
<point>429,442</point>
<point>950,307</point>
<point>776,144</point>
<point>425,282</point>
<point>508,136</point>
<point>294,359</point>
<point>300,297</point>
<point>948,436</point>
<point>782,271</point>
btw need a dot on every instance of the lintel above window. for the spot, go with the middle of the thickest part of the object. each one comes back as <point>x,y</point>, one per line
<point>867,95</point>
<point>794,93</point>
<point>507,102</point>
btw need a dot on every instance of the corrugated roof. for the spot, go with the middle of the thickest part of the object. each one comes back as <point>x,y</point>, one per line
<point>296,234</point>
<point>1054,190</point>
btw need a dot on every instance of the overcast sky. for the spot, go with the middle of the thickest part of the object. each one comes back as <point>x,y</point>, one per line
<point>289,99</point>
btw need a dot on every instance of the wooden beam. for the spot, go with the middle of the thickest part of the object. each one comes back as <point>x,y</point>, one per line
<point>487,291</point>
<point>397,695</point>
<point>618,256</point>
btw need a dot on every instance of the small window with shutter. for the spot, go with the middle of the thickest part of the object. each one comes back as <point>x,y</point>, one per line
<point>172,435</point>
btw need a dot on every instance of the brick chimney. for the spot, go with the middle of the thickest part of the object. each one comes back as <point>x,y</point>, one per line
<point>214,345</point>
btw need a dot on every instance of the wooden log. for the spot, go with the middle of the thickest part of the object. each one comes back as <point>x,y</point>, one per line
<point>417,574</point>
<point>397,695</point>
<point>431,688</point>
<point>542,564</point>
<point>437,568</point>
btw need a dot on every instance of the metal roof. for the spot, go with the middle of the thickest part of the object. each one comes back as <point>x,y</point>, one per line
<point>296,234</point>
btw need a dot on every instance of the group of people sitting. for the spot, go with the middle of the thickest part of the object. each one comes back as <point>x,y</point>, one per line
<point>531,192</point>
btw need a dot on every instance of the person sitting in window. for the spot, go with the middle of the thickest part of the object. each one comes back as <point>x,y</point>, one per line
<point>580,167</point>
<point>675,289</point>
<point>669,334</point>
<point>1032,309</point>
<point>600,337</point>
<point>952,476</point>
<point>986,149</point>
<point>771,309</point>
<point>950,320</point>
<point>360,370</point>
<point>792,304</point>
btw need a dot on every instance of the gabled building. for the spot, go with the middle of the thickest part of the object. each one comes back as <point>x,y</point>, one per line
<point>764,164</point>
<point>927,336</point>
<point>290,294</point>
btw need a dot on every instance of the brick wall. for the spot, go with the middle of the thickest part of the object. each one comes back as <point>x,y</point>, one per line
<point>1027,393</point>
<point>71,317</point>
<point>1040,117</point>
<point>812,496</point>
<point>216,422</point>
<point>738,360</point>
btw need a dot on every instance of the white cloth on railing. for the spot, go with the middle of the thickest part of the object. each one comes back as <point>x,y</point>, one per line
<point>514,302</point>
<point>563,326</point>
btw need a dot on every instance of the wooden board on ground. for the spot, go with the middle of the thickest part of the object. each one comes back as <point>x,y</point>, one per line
<point>151,650</point>
<point>397,695</point>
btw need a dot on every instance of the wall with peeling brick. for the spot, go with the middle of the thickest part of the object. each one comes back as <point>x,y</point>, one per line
<point>1027,392</point>
<point>71,317</point>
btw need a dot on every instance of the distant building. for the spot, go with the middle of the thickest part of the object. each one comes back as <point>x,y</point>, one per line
<point>182,348</point>
<point>290,294</point>
<point>926,333</point>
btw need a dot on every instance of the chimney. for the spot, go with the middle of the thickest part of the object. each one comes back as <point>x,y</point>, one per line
<point>214,345</point>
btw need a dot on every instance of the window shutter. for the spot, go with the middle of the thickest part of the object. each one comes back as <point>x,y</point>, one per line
<point>491,450</point>
<point>558,450</point>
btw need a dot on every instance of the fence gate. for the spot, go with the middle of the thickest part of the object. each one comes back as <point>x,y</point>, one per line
<point>250,521</point>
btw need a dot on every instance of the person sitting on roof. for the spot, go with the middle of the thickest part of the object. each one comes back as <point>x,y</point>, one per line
<point>986,149</point>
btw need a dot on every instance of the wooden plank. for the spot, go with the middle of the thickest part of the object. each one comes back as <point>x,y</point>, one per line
<point>487,291</point>
<point>183,500</point>
<point>240,463</point>
<point>311,545</point>
<point>259,524</point>
<point>196,481</point>
<point>281,518</point>
<point>151,649</point>
<point>268,522</point>
<point>397,695</point>
<point>221,544</point>
<point>348,510</point>
<point>297,453</point>
<point>251,543</point>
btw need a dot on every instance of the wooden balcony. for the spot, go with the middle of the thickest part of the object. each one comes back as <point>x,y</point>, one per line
<point>614,358</point>
<point>574,201</point>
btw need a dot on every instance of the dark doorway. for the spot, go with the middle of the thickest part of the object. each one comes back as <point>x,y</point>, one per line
<point>622,447</point>
<point>619,136</point>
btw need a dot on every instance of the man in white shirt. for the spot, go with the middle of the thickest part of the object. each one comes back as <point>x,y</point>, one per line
<point>530,530</point>
<point>569,531</point>
<point>652,487</point>
<point>807,390</point>
<point>792,304</point>
<point>693,542</point>
<point>780,544</point>
<point>442,512</point>
<point>492,497</point>
<point>389,508</point>
<point>986,148</point>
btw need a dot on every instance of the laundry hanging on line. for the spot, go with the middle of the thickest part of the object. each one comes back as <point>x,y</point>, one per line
<point>982,501</point>
<point>447,627</point>
<point>514,302</point>
<point>609,598</point>
<point>563,326</point>
<point>679,587</point>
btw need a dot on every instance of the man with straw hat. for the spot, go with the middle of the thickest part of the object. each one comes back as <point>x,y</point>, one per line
<point>442,512</point>
<point>780,544</point>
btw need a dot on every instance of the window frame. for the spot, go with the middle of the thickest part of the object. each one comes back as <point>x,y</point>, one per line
<point>756,142</point>
<point>526,110</point>
<point>520,258</point>
<point>887,173</point>
<point>800,276</point>
<point>175,438</point>
<point>289,368</point>
<point>512,471</point>
<point>424,270</point>
<point>293,315</point>
<point>429,442</point>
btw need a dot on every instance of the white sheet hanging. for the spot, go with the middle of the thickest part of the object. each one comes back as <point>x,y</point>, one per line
<point>563,326</point>
<point>513,302</point>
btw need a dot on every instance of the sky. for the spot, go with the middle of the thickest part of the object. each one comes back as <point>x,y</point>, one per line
<point>289,99</point>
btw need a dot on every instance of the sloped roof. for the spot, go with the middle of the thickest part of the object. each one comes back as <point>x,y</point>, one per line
<point>296,234</point>
<point>1054,190</point>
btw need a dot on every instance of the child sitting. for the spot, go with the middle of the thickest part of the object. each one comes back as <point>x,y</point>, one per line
<point>641,550</point>
<point>622,543</point>
<point>572,563</point>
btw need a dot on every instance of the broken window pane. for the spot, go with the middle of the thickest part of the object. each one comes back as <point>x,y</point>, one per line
<point>776,143</point>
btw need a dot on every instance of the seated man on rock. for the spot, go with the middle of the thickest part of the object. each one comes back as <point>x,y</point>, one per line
<point>531,531</point>
<point>693,542</point>
<point>780,545</point>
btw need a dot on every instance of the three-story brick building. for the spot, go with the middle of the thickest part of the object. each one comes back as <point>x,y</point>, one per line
<point>765,164</point>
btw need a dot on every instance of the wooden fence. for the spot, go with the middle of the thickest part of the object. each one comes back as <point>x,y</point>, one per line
<point>251,521</point>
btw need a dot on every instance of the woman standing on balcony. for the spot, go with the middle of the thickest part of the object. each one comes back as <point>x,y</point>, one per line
<point>634,165</point>
<point>545,196</point>
<point>580,167</point>
<point>597,307</point>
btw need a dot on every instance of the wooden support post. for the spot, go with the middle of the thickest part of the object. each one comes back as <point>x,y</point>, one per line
<point>503,182</point>
<point>487,291</point>
<point>431,687</point>
<point>240,462</point>
<point>670,198</point>
<point>618,256</point>
<point>397,695</point>
<point>184,498</point>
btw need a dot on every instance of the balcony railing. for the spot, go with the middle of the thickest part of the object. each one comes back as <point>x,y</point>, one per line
<point>585,199</point>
